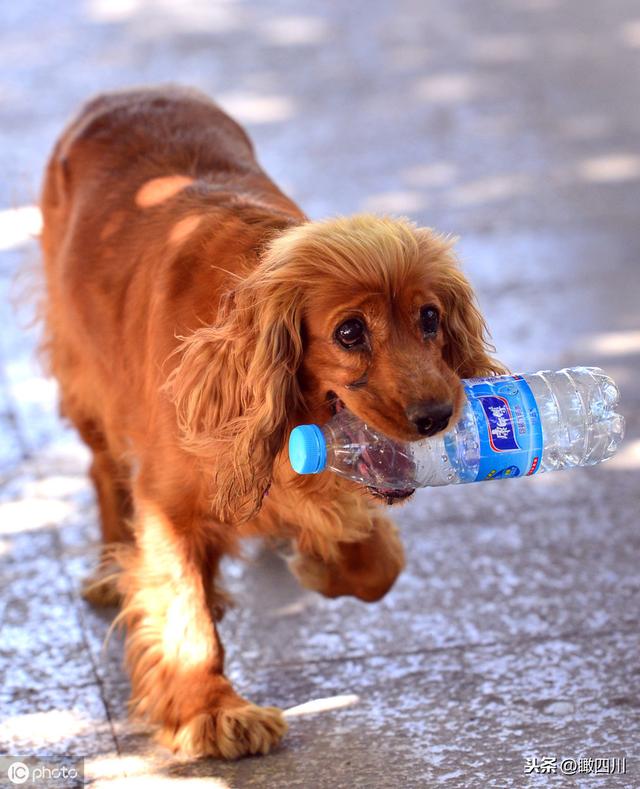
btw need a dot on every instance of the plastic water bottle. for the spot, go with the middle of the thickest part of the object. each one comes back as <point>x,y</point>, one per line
<point>510,426</point>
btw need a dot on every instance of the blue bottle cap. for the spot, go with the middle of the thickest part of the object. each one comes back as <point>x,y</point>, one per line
<point>307,449</point>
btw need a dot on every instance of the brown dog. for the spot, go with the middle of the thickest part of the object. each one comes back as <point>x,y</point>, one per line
<point>193,316</point>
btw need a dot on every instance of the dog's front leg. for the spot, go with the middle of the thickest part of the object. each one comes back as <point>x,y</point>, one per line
<point>173,651</point>
<point>344,545</point>
<point>366,569</point>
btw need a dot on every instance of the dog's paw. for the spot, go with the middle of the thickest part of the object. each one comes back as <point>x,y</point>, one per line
<point>228,732</point>
<point>365,569</point>
<point>101,587</point>
<point>314,573</point>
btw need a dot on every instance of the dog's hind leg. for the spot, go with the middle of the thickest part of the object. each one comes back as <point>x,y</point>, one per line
<point>112,487</point>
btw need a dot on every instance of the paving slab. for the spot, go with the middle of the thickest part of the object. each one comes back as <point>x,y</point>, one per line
<point>65,722</point>
<point>513,633</point>
<point>42,642</point>
<point>457,716</point>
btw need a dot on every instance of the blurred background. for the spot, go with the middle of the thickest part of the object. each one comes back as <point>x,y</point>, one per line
<point>513,124</point>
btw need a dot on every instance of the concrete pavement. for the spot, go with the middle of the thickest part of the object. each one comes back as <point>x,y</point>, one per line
<point>513,633</point>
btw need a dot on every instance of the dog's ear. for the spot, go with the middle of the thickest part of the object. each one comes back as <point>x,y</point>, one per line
<point>235,390</point>
<point>467,348</point>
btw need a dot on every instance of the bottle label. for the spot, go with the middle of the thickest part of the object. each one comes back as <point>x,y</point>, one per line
<point>508,426</point>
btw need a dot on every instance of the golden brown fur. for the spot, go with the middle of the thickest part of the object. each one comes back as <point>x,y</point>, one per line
<point>190,322</point>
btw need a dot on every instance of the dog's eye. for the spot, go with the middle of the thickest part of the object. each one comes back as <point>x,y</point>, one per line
<point>429,320</point>
<point>351,333</point>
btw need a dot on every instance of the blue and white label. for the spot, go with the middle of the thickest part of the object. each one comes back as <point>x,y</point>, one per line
<point>509,426</point>
<point>502,434</point>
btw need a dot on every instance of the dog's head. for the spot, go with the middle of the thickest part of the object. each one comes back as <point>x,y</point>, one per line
<point>365,313</point>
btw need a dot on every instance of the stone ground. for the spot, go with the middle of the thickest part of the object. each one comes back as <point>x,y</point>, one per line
<point>514,631</point>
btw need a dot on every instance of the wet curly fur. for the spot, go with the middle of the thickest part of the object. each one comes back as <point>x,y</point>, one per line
<point>190,320</point>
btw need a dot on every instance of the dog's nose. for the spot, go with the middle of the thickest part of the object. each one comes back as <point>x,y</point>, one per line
<point>430,417</point>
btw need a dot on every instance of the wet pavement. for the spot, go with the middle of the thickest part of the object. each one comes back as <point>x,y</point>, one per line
<point>513,634</point>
